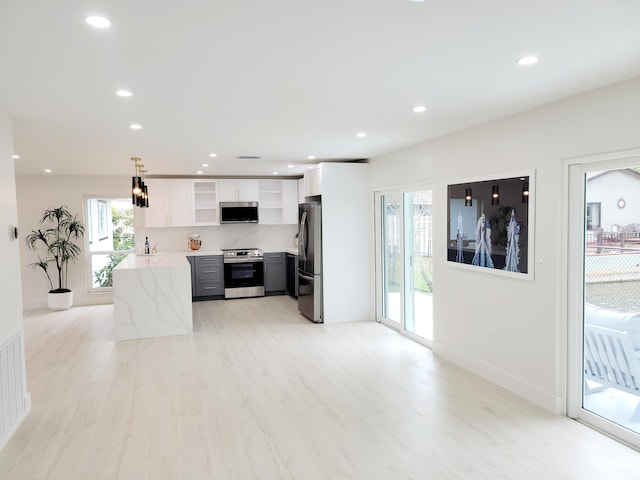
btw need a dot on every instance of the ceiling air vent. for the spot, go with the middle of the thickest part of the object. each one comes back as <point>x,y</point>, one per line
<point>248,157</point>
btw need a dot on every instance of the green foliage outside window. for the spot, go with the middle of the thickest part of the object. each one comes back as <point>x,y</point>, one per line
<point>123,239</point>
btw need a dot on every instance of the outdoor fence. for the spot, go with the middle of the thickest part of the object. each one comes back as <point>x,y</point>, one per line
<point>612,272</point>
<point>609,240</point>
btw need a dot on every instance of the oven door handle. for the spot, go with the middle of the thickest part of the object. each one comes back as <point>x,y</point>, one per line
<point>244,260</point>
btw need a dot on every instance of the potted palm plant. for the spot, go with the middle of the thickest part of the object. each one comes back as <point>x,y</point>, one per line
<point>59,229</point>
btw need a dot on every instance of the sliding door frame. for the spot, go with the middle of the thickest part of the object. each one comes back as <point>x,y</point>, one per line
<point>573,277</point>
<point>380,255</point>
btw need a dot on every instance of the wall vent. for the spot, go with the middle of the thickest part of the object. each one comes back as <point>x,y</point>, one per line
<point>12,392</point>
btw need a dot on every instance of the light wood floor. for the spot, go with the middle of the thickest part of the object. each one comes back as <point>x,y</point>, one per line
<point>260,392</point>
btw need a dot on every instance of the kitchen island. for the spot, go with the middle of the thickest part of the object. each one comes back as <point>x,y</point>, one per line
<point>152,296</point>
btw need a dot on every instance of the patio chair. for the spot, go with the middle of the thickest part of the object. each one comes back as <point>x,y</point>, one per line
<point>612,351</point>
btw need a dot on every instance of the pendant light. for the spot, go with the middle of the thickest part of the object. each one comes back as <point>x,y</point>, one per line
<point>139,191</point>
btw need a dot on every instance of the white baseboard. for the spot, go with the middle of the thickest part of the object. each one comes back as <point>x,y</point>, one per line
<point>532,393</point>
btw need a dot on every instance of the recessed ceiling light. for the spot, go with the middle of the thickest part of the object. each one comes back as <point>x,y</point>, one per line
<point>15,157</point>
<point>135,126</point>
<point>275,173</point>
<point>47,170</point>
<point>419,109</point>
<point>289,166</point>
<point>123,93</point>
<point>205,164</point>
<point>213,155</point>
<point>528,60</point>
<point>361,134</point>
<point>199,172</point>
<point>98,22</point>
<point>311,157</point>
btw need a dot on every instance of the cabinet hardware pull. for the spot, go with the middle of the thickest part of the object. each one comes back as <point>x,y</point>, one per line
<point>209,271</point>
<point>210,288</point>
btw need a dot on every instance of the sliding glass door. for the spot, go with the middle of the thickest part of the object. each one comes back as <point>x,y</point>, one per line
<point>405,258</point>
<point>605,296</point>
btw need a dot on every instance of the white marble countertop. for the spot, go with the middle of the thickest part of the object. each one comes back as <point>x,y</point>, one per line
<point>197,253</point>
<point>136,261</point>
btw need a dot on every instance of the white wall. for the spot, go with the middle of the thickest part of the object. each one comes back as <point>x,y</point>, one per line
<point>529,357</point>
<point>11,320</point>
<point>346,249</point>
<point>10,294</point>
<point>39,192</point>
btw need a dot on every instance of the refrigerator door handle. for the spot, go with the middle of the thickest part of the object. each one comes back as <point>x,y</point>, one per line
<point>306,277</point>
<point>303,237</point>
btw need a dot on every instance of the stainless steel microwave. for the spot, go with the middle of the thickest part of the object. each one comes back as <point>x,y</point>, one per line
<point>238,212</point>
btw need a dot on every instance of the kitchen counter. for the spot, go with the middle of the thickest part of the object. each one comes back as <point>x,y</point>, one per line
<point>152,296</point>
<point>196,253</point>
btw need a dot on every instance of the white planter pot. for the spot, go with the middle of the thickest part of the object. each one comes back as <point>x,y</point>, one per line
<point>60,301</point>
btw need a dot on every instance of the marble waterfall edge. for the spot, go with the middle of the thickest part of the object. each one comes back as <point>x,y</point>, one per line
<point>152,297</point>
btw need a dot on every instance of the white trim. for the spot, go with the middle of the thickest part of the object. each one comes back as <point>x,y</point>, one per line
<point>604,156</point>
<point>609,428</point>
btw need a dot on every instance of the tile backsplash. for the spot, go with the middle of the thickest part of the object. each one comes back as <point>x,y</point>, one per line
<point>217,237</point>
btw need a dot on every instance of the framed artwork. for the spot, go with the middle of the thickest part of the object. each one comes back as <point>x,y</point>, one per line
<point>103,219</point>
<point>490,224</point>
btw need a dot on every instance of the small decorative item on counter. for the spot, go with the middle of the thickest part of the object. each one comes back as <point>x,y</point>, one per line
<point>154,250</point>
<point>146,246</point>
<point>194,241</point>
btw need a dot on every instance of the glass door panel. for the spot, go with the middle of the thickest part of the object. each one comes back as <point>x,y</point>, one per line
<point>419,287</point>
<point>392,266</point>
<point>611,282</point>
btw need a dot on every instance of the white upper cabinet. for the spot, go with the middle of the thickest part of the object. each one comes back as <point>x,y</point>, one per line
<point>313,181</point>
<point>205,202</point>
<point>278,201</point>
<point>238,190</point>
<point>178,202</point>
<point>156,214</point>
<point>169,203</point>
<point>301,190</point>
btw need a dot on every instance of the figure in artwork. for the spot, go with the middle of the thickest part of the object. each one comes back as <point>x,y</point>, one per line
<point>482,256</point>
<point>513,244</point>
<point>459,240</point>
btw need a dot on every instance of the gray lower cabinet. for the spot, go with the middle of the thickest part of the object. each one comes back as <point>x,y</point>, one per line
<point>275,273</point>
<point>207,277</point>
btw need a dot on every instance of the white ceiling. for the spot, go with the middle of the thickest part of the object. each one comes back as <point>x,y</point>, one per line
<point>284,79</point>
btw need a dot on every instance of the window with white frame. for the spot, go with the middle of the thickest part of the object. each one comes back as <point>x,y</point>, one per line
<point>109,237</point>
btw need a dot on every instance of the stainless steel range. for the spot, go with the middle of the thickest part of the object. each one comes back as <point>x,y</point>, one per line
<point>243,272</point>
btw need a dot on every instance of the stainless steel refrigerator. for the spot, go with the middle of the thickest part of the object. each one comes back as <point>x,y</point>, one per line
<point>310,260</point>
